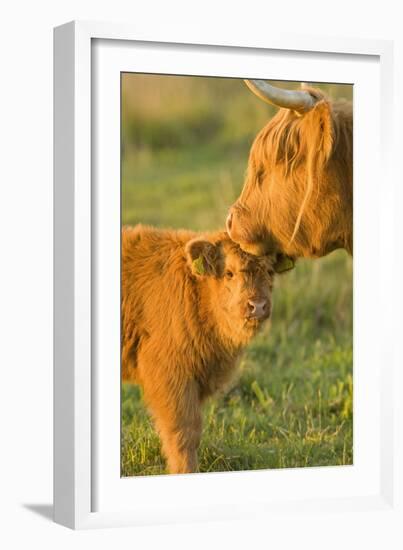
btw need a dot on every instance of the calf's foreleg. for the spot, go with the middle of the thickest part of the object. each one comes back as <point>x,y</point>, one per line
<point>176,409</point>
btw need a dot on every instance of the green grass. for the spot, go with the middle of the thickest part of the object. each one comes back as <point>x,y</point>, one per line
<point>291,403</point>
<point>190,188</point>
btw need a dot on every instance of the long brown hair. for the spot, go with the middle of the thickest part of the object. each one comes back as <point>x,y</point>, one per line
<point>291,142</point>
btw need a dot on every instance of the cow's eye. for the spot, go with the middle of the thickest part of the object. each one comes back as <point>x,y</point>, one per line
<point>229,274</point>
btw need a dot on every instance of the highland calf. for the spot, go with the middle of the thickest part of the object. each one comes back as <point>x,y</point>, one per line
<point>190,303</point>
<point>297,197</point>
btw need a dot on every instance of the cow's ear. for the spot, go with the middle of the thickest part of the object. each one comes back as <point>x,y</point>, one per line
<point>202,257</point>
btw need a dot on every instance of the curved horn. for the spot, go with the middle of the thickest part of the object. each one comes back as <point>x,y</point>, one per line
<point>297,100</point>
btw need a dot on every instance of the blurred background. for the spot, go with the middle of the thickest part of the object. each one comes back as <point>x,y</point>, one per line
<point>185,145</point>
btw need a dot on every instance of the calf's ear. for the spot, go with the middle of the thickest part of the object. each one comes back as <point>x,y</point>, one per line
<point>283,263</point>
<point>202,257</point>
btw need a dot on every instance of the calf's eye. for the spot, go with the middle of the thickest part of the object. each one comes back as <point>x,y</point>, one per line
<point>229,274</point>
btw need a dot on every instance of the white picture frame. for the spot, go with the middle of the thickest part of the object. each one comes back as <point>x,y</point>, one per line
<point>88,491</point>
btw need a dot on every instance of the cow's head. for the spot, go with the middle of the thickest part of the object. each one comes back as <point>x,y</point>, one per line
<point>297,196</point>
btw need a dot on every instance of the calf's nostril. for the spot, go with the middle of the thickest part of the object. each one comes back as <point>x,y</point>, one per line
<point>251,306</point>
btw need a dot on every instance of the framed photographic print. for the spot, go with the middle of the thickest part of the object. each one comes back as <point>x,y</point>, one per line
<point>216,353</point>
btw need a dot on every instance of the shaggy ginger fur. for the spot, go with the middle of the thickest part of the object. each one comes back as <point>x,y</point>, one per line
<point>184,324</point>
<point>298,193</point>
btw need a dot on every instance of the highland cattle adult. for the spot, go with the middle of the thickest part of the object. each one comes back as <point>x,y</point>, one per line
<point>297,197</point>
<point>190,304</point>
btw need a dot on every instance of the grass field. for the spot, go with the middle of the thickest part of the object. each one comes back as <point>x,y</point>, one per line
<point>185,148</point>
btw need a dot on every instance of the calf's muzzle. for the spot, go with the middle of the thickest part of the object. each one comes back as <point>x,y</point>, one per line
<point>258,309</point>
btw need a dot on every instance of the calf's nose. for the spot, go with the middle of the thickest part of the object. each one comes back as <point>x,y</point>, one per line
<point>257,308</point>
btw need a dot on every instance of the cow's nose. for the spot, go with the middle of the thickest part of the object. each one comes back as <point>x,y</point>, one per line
<point>257,308</point>
<point>229,223</point>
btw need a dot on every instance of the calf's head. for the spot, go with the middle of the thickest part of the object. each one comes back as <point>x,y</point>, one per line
<point>237,285</point>
<point>297,196</point>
